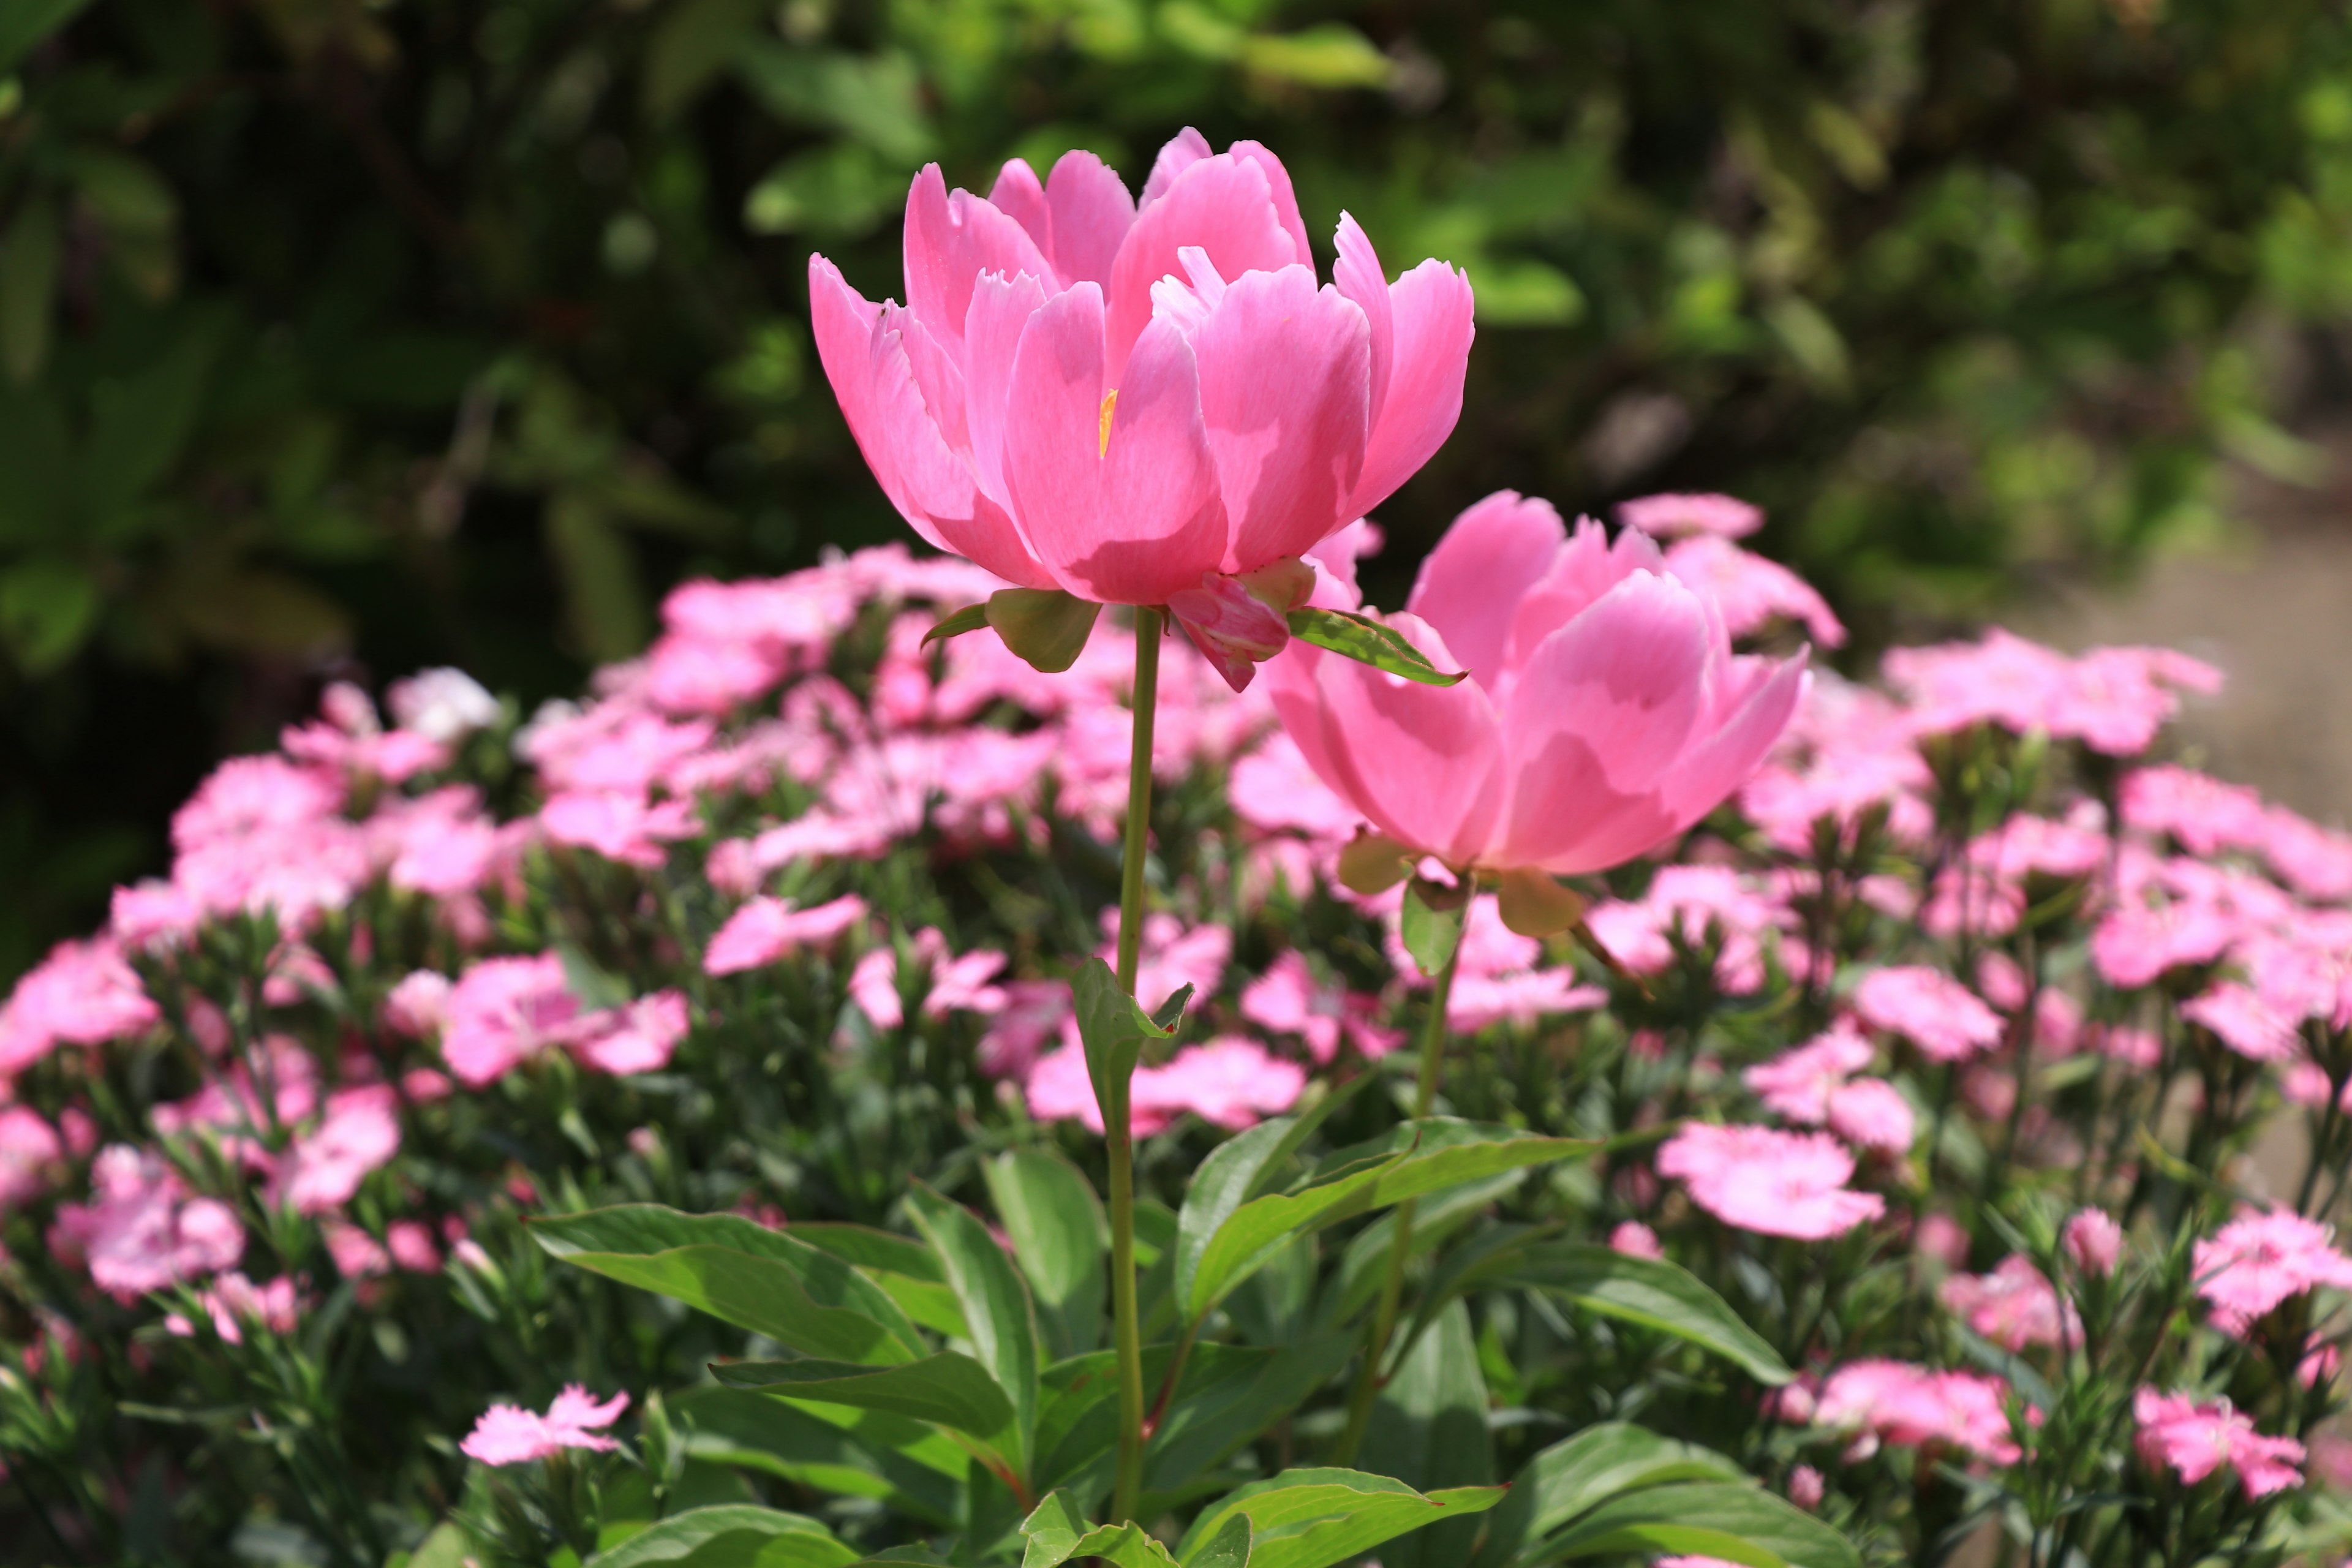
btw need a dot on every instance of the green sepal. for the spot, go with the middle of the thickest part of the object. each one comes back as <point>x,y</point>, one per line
<point>1044,627</point>
<point>1431,923</point>
<point>1367,641</point>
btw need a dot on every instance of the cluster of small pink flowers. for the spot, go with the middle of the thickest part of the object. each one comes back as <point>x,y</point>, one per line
<point>1778,1183</point>
<point>510,1435</point>
<point>2193,1440</point>
<point>2256,1261</point>
<point>1911,1407</point>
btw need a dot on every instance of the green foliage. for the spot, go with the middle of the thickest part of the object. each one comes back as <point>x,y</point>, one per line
<point>437,333</point>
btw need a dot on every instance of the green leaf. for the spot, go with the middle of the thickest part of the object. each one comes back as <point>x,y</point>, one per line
<point>1243,1167</point>
<point>902,1265</point>
<point>1367,641</point>
<point>739,1272</point>
<point>732,1535</point>
<point>1311,1519</point>
<point>1438,1216</point>
<point>1115,1031</point>
<point>1057,1229</point>
<point>1429,1430</point>
<point>1327,55</point>
<point>1044,627</point>
<point>1739,1523</point>
<point>995,1304</point>
<point>1431,923</point>
<point>948,1389</point>
<point>140,422</point>
<point>1057,1532</point>
<point>604,603</point>
<point>48,607</point>
<point>909,1464</point>
<point>1417,1157</point>
<point>1212,1417</point>
<point>1649,1291</point>
<point>1229,1548</point>
<point>29,255</point>
<point>1577,1474</point>
<point>971,618</point>
<point>26,23</point>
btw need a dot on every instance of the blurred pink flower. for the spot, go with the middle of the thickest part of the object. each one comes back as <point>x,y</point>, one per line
<point>504,1011</point>
<point>441,704</point>
<point>1806,1488</point>
<point>323,1167</point>
<point>140,1231</point>
<point>1603,714</point>
<point>766,929</point>
<point>1934,1012</point>
<point>2193,1440</point>
<point>29,1147</point>
<point>1678,516</point>
<point>2204,814</point>
<point>2014,1306</point>
<point>2258,1260</point>
<point>636,1038</point>
<point>1129,402</point>
<point>510,1435</point>
<point>1774,1183</point>
<point>410,1242</point>
<point>1797,1084</point>
<point>2094,1240</point>
<point>1872,1113</point>
<point>1171,956</point>
<point>1230,1082</point>
<point>1635,1239</point>
<point>1910,1406</point>
<point>83,993</point>
<point>1750,591</point>
<point>235,1303</point>
<point>1848,750</point>
<point>2113,700</point>
<point>2245,1023</point>
<point>418,1006</point>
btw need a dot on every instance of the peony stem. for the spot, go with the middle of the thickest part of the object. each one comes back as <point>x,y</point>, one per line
<point>1126,1331</point>
<point>1384,1316</point>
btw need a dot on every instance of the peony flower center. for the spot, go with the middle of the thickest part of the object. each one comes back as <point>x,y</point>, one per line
<point>1102,434</point>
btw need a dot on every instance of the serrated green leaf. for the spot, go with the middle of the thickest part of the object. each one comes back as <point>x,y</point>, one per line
<point>1044,627</point>
<point>1577,1474</point>
<point>948,1389</point>
<point>1367,641</point>
<point>1415,1158</point>
<point>995,1304</point>
<point>1057,1229</point>
<point>742,1273</point>
<point>731,1535</point>
<point>1314,1518</point>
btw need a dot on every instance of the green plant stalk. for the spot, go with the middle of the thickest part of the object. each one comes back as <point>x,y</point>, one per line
<point>1126,1325</point>
<point>1384,1315</point>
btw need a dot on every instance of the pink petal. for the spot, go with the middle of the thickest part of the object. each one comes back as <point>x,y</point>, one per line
<point>1224,205</point>
<point>1471,584</point>
<point>1720,763</point>
<point>1422,761</point>
<point>1019,195</point>
<point>1139,519</point>
<point>952,239</point>
<point>1282,392</point>
<point>1419,388</point>
<point>1580,574</point>
<point>1181,150</point>
<point>1001,310</point>
<point>1092,213</point>
<point>1286,200</point>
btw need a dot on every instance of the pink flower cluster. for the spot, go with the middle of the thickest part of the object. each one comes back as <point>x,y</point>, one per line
<point>2193,1440</point>
<point>510,1435</point>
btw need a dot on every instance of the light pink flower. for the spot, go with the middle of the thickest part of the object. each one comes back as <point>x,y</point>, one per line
<point>1604,711</point>
<point>618,825</point>
<point>766,929</point>
<point>510,1435</point>
<point>503,1012</point>
<point>2014,1306</point>
<point>637,1037</point>
<point>1635,1239</point>
<point>410,1242</point>
<point>1934,1012</point>
<point>1678,516</point>
<point>1910,1406</point>
<point>1847,751</point>
<point>2258,1260</point>
<point>1035,1011</point>
<point>1806,1488</point>
<point>1229,1082</point>
<point>1750,591</point>
<point>324,1166</point>
<point>1698,905</point>
<point>441,704</point>
<point>418,1006</point>
<point>83,993</point>
<point>2113,700</point>
<point>2193,1440</point>
<point>2245,1023</point>
<point>1128,401</point>
<point>235,1303</point>
<point>2094,1240</point>
<point>29,1147</point>
<point>357,1254</point>
<point>141,1232</point>
<point>2314,861</point>
<point>1872,1113</point>
<point>2204,814</point>
<point>1941,1237</point>
<point>1774,1183</point>
<point>1171,956</point>
<point>1797,1084</point>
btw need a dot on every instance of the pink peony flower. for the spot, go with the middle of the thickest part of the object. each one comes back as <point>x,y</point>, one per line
<point>1910,1406</point>
<point>1777,1183</point>
<point>1929,1008</point>
<point>1138,403</point>
<point>766,929</point>
<point>2094,1240</point>
<point>2258,1260</point>
<point>510,1435</point>
<point>1604,711</point>
<point>1676,516</point>
<point>2193,1440</point>
<point>2014,1306</point>
<point>141,1232</point>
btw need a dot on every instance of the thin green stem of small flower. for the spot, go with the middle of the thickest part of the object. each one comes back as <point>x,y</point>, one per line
<point>1126,1324</point>
<point>1384,1315</point>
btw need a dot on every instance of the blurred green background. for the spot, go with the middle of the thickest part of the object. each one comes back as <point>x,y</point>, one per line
<point>340,337</point>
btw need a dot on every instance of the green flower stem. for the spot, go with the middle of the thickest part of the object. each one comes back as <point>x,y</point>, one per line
<point>1384,1316</point>
<point>1127,1330</point>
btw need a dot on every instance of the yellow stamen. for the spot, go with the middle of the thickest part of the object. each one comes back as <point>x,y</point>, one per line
<point>1102,436</point>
